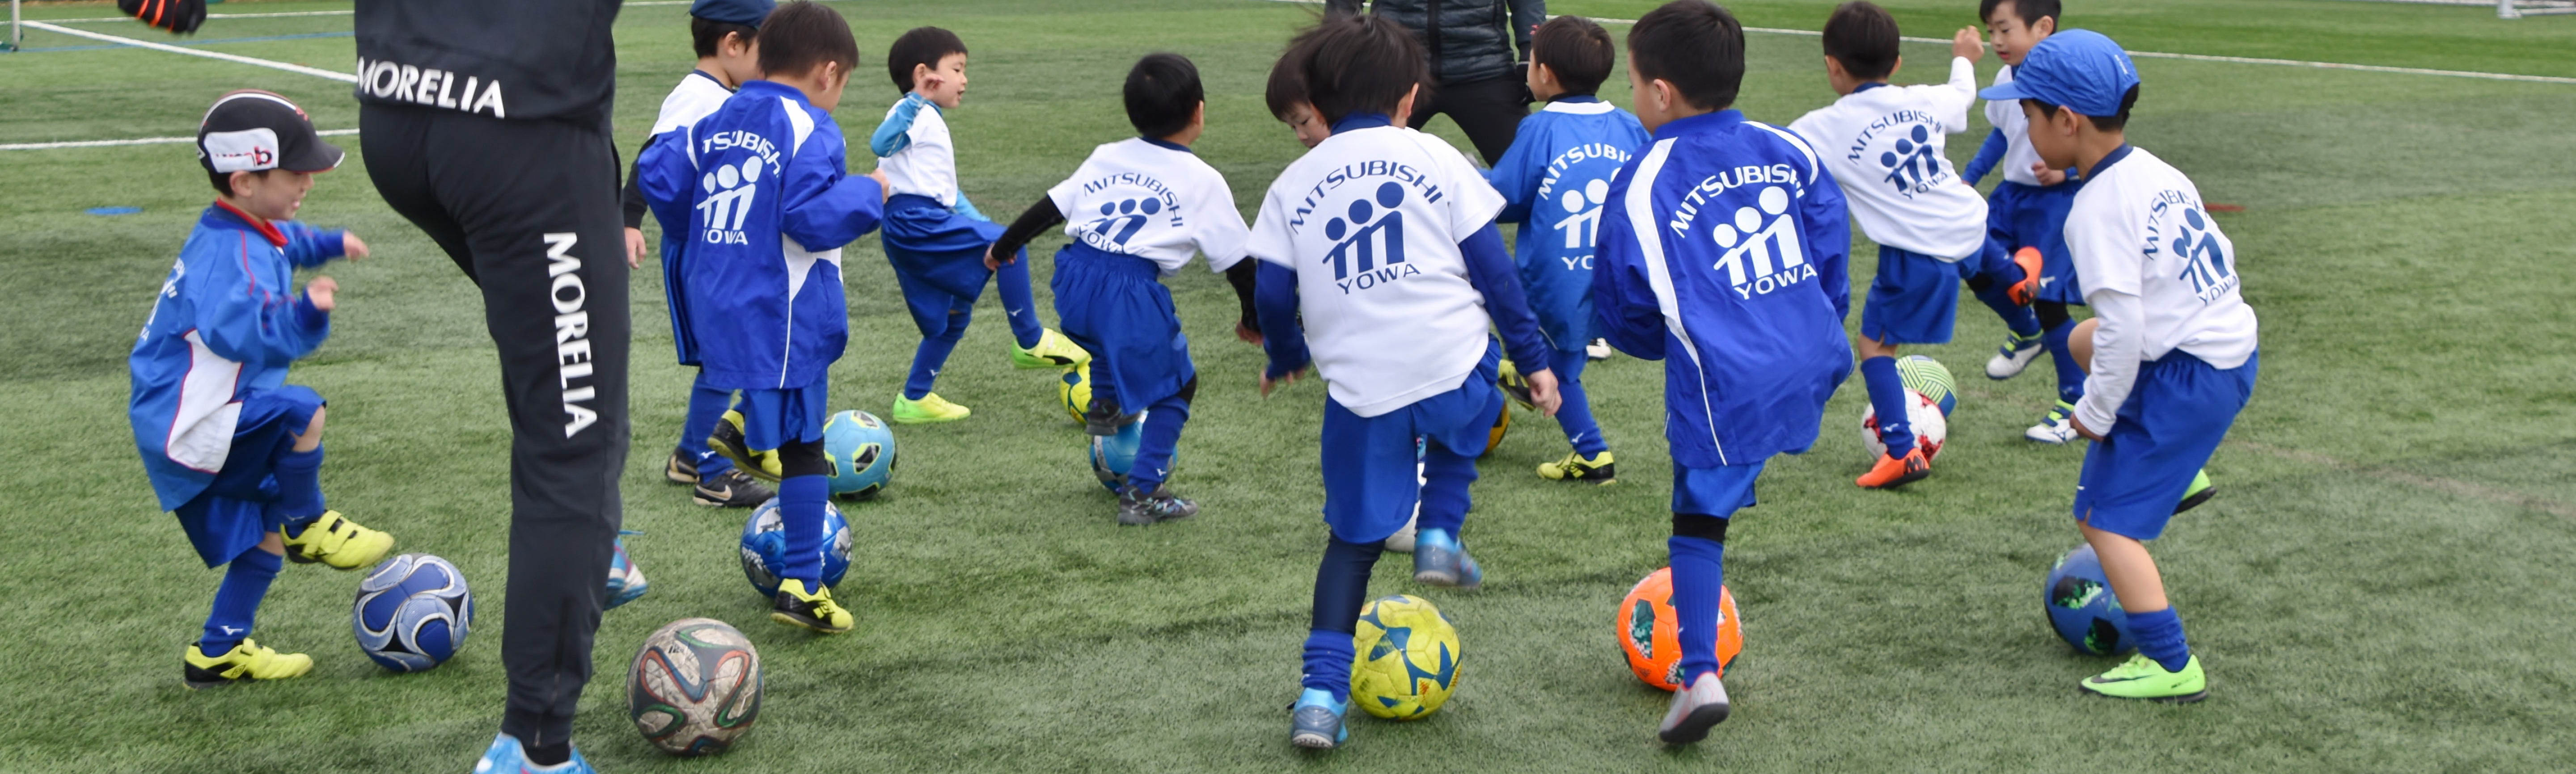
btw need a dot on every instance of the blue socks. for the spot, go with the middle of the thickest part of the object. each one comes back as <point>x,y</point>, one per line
<point>1446,475</point>
<point>2160,637</point>
<point>706,406</point>
<point>237,601</point>
<point>1012,283</point>
<point>1997,296</point>
<point>1887,396</point>
<point>1699,570</point>
<point>1154,448</point>
<point>1341,589</point>
<point>800,511</point>
<point>2070,375</point>
<point>1328,661</point>
<point>933,352</point>
<point>1575,417</point>
<point>299,486</point>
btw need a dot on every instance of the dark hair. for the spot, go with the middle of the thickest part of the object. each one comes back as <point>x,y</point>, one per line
<point>707,35</point>
<point>2030,11</point>
<point>1287,85</point>
<point>803,35</point>
<point>1694,45</point>
<point>2110,123</point>
<point>1163,91</point>
<point>1863,37</point>
<point>923,46</point>
<point>1576,50</point>
<point>224,180</point>
<point>1362,64</point>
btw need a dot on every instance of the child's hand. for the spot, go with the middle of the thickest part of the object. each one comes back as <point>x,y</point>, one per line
<point>634,248</point>
<point>2047,176</point>
<point>885,190</point>
<point>928,83</point>
<point>2081,430</point>
<point>320,290</point>
<point>1968,44</point>
<point>1248,335</point>
<point>991,263</point>
<point>351,246</point>
<point>1267,382</point>
<point>1542,384</point>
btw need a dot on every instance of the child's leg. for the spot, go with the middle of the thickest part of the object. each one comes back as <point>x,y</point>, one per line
<point>802,491</point>
<point>935,346</point>
<point>1011,282</point>
<point>1575,416</point>
<point>1341,589</point>
<point>1446,474</point>
<point>246,581</point>
<point>299,477</point>
<point>1993,282</point>
<point>1162,436</point>
<point>2058,326</point>
<point>1698,551</point>
<point>1886,395</point>
<point>2132,572</point>
<point>706,406</point>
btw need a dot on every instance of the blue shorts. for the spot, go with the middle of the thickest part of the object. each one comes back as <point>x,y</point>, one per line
<point>938,258</point>
<point>1118,310</point>
<point>1372,477</point>
<point>2019,215</point>
<point>1913,300</point>
<point>2171,423</point>
<point>1719,491</point>
<point>772,419</point>
<point>238,509</point>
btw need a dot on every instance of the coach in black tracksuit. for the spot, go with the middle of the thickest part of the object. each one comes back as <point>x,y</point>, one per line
<point>1475,77</point>
<point>486,122</point>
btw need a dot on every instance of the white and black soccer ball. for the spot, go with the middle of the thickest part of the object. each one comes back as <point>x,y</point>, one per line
<point>413,612</point>
<point>695,687</point>
<point>1924,413</point>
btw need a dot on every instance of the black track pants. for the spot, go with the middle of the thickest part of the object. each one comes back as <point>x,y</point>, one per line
<point>1489,110</point>
<point>529,209</point>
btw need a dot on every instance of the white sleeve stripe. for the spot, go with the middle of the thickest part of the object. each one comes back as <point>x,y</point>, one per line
<point>797,119</point>
<point>1659,275</point>
<point>1794,140</point>
<point>201,429</point>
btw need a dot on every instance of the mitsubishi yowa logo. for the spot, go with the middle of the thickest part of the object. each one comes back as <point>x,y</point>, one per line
<point>1762,257</point>
<point>2203,254</point>
<point>730,192</point>
<point>1913,165</point>
<point>1120,220</point>
<point>1582,224</point>
<point>1377,248</point>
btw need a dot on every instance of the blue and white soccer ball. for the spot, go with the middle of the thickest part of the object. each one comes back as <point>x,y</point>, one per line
<point>413,612</point>
<point>1113,455</point>
<point>2082,607</point>
<point>764,547</point>
<point>860,448</point>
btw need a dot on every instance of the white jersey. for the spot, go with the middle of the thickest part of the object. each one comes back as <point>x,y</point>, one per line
<point>697,95</point>
<point>2158,273</point>
<point>1884,145</point>
<point>1152,200</point>
<point>2007,117</point>
<point>1370,220</point>
<point>927,166</point>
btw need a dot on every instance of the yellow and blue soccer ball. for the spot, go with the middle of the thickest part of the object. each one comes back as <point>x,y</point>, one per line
<point>861,449</point>
<point>1073,390</point>
<point>1408,658</point>
<point>1927,376</point>
<point>413,612</point>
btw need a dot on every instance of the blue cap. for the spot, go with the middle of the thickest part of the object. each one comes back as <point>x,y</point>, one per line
<point>747,13</point>
<point>2079,69</point>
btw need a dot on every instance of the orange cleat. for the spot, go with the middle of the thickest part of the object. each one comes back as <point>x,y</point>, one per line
<point>1892,472</point>
<point>2028,288</point>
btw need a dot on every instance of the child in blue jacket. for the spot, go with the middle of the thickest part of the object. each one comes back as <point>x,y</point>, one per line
<point>232,450</point>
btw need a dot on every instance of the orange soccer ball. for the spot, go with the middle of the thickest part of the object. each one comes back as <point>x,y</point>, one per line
<point>1650,633</point>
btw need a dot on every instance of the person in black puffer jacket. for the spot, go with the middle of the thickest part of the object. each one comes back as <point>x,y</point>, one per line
<point>1475,71</point>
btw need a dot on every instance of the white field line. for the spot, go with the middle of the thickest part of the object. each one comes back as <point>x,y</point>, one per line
<point>138,141</point>
<point>292,68</point>
<point>281,15</point>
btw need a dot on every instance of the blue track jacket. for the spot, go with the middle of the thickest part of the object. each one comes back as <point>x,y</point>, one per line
<point>1726,247</point>
<point>226,325</point>
<point>766,192</point>
<point>1554,181</point>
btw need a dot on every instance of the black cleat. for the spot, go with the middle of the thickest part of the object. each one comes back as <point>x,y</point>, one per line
<point>733,489</point>
<point>1138,509</point>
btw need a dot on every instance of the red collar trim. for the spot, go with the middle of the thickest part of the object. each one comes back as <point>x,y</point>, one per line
<point>266,230</point>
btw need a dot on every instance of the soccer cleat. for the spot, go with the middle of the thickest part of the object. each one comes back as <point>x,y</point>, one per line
<point>1053,351</point>
<point>1139,509</point>
<point>1599,469</point>
<point>2142,678</point>
<point>727,439</point>
<point>732,489</point>
<point>683,467</point>
<point>1892,471</point>
<point>505,756</point>
<point>336,541</point>
<point>1104,419</point>
<point>1597,351</point>
<point>1695,710</point>
<point>1515,385</point>
<point>625,582</point>
<point>2200,492</point>
<point>2056,428</point>
<point>930,408</point>
<point>247,661</point>
<point>814,611</point>
<point>1439,560</point>
<point>1315,721</point>
<point>2014,355</point>
<point>2028,288</point>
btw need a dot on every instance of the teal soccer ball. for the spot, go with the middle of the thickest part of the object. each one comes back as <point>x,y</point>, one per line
<point>1926,375</point>
<point>2082,608</point>
<point>861,449</point>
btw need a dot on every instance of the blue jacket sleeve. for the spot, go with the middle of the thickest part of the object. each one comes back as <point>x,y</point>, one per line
<point>894,135</point>
<point>826,207</point>
<point>1624,311</point>
<point>665,175</point>
<point>247,319</point>
<point>1516,175</point>
<point>1828,234</point>
<point>1490,269</point>
<point>306,246</point>
<point>967,208</point>
<point>1989,154</point>
<point>1274,300</point>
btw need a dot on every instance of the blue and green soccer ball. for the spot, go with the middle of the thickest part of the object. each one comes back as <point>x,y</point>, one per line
<point>2082,607</point>
<point>764,547</point>
<point>1113,455</point>
<point>861,449</point>
<point>1926,375</point>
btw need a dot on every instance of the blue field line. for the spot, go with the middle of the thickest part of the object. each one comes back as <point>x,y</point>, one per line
<point>193,42</point>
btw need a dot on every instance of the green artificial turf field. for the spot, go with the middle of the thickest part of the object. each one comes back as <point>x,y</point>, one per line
<point>2382,584</point>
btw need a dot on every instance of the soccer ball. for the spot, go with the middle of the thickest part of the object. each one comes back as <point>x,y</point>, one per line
<point>2082,607</point>
<point>1930,428</point>
<point>1650,632</point>
<point>1502,425</point>
<point>1073,390</point>
<point>860,448</point>
<point>413,612</point>
<point>764,547</point>
<point>1925,375</point>
<point>694,687</point>
<point>1408,658</point>
<point>1113,455</point>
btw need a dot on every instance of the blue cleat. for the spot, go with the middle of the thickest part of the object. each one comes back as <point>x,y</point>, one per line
<point>506,757</point>
<point>1439,560</point>
<point>625,582</point>
<point>1315,721</point>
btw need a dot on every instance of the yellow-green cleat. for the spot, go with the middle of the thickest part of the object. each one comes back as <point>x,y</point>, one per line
<point>2199,492</point>
<point>930,408</point>
<point>2142,678</point>
<point>1053,351</point>
<point>247,661</point>
<point>336,541</point>
<point>728,440</point>
<point>1598,469</point>
<point>816,611</point>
